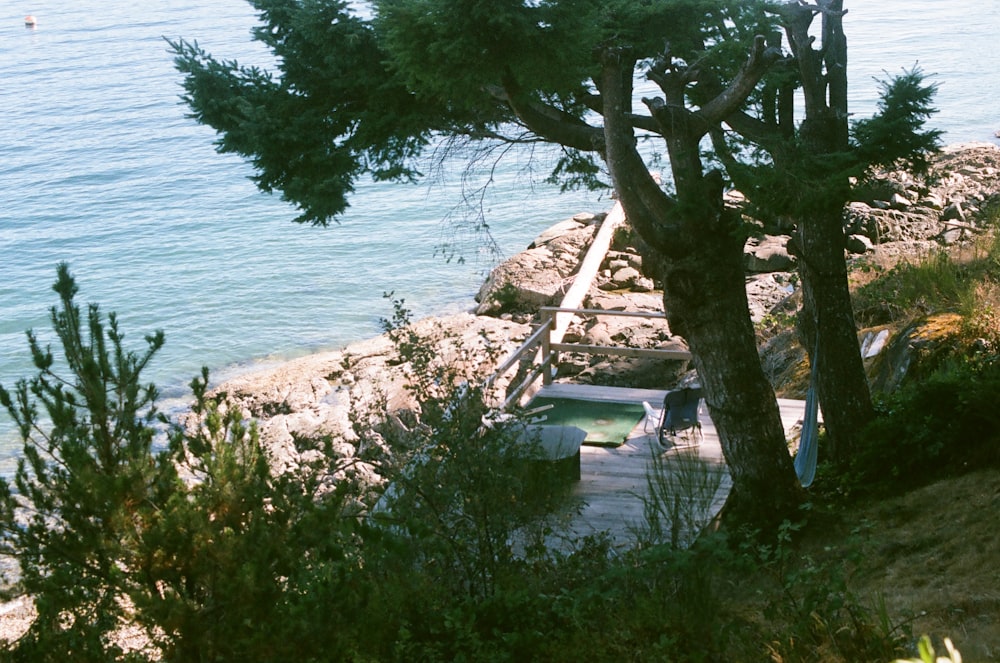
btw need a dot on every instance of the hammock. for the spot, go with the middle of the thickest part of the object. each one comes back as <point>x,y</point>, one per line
<point>805,459</point>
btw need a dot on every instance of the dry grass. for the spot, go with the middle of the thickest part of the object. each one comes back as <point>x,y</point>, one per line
<point>927,562</point>
<point>933,555</point>
<point>982,312</point>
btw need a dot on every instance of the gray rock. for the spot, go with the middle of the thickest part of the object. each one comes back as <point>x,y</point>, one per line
<point>859,244</point>
<point>625,301</point>
<point>562,228</point>
<point>643,284</point>
<point>572,365</point>
<point>933,201</point>
<point>527,280</point>
<point>873,343</point>
<point>607,285</point>
<point>857,217</point>
<point>598,334</point>
<point>953,212</point>
<point>899,201</point>
<point>605,302</point>
<point>625,277</point>
<point>589,218</point>
<point>765,292</point>
<point>769,254</point>
<point>952,236</point>
<point>615,265</point>
<point>535,277</point>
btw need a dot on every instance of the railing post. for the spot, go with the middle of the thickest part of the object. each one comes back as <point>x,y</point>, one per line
<point>547,321</point>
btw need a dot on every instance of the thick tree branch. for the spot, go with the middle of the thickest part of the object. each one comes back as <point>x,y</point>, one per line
<point>635,186</point>
<point>673,117</point>
<point>827,8</point>
<point>735,95</point>
<point>595,102</point>
<point>797,18</point>
<point>767,135</point>
<point>551,123</point>
<point>671,79</point>
<point>835,58</point>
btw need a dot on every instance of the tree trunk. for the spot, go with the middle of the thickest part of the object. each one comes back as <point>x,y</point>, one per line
<point>697,248</point>
<point>705,300</point>
<point>826,321</point>
<point>829,332</point>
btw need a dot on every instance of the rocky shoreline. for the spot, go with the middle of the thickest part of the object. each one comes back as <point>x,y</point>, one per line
<point>898,217</point>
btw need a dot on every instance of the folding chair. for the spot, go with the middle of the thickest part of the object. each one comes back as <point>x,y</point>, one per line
<point>679,426</point>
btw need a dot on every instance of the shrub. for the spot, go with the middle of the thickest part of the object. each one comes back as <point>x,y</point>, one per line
<point>461,487</point>
<point>225,563</point>
<point>943,425</point>
<point>248,563</point>
<point>87,485</point>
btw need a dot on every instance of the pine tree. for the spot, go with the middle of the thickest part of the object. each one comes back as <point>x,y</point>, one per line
<point>88,482</point>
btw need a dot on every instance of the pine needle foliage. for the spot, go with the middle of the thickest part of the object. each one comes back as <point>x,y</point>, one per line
<point>87,484</point>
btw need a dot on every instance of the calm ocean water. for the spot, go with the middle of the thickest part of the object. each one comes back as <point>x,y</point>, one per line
<point>101,168</point>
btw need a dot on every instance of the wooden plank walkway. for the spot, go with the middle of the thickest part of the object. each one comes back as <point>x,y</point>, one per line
<point>613,481</point>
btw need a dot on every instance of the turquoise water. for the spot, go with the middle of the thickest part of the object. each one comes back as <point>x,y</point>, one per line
<point>954,41</point>
<point>100,167</point>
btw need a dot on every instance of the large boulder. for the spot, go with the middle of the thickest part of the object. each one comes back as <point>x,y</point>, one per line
<point>768,254</point>
<point>538,276</point>
<point>766,293</point>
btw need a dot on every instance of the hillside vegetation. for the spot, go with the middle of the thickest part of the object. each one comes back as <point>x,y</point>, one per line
<point>201,550</point>
<point>910,520</point>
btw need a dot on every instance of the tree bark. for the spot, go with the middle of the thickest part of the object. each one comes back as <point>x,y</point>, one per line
<point>699,252</point>
<point>829,332</point>
<point>705,300</point>
<point>826,322</point>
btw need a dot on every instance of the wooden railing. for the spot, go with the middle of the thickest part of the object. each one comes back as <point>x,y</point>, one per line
<point>543,352</point>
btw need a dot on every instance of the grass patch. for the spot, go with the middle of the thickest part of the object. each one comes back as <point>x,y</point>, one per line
<point>964,280</point>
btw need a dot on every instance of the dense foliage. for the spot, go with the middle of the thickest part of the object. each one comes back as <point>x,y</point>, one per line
<point>364,90</point>
<point>944,425</point>
<point>121,519</point>
<point>88,483</point>
<point>119,516</point>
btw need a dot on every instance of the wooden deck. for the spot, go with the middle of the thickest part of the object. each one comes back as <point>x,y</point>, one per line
<point>613,481</point>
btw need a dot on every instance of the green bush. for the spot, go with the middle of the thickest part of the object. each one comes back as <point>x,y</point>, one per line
<point>944,425</point>
<point>249,563</point>
<point>118,517</point>
<point>200,542</point>
<point>461,490</point>
<point>87,484</point>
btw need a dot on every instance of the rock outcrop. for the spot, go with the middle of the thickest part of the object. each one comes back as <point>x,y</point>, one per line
<point>940,208</point>
<point>313,396</point>
<point>895,216</point>
<point>900,217</point>
<point>539,275</point>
